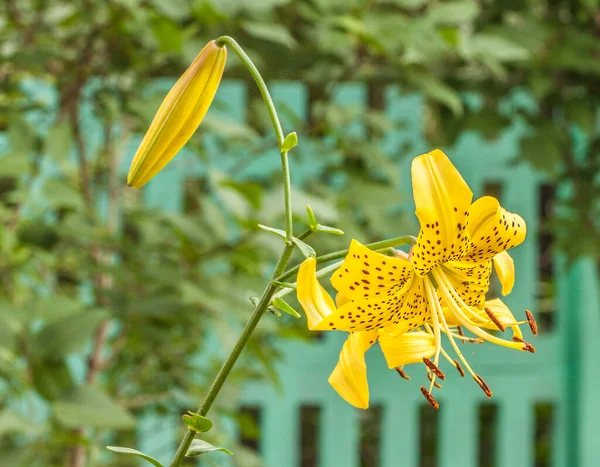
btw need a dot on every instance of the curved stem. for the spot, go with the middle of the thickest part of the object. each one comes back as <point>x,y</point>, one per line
<point>260,82</point>
<point>382,245</point>
<point>221,377</point>
<point>264,91</point>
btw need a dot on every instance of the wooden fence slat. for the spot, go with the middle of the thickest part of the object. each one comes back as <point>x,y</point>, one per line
<point>400,433</point>
<point>280,433</point>
<point>458,429</point>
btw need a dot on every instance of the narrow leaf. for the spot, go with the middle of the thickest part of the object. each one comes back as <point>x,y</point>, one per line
<point>274,311</point>
<point>285,285</point>
<point>282,305</point>
<point>134,452</point>
<point>330,230</point>
<point>312,220</point>
<point>200,447</point>
<point>277,232</point>
<point>290,142</point>
<point>306,249</point>
<point>197,422</point>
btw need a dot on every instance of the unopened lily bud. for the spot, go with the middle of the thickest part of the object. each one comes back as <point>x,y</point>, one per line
<point>179,115</point>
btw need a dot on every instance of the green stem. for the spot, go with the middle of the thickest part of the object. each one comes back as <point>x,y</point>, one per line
<point>260,82</point>
<point>264,91</point>
<point>382,245</point>
<point>221,377</point>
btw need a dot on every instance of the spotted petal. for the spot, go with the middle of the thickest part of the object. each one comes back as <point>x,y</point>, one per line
<point>366,273</point>
<point>493,229</point>
<point>442,199</point>
<point>411,347</point>
<point>470,280</point>
<point>349,377</point>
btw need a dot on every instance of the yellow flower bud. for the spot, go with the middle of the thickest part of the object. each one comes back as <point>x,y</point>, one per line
<point>179,115</point>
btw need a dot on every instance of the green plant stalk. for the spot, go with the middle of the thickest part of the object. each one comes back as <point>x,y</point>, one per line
<point>221,377</point>
<point>264,91</point>
<point>382,245</point>
<point>270,290</point>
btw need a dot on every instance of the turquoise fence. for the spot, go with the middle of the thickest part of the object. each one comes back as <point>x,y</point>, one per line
<point>544,410</point>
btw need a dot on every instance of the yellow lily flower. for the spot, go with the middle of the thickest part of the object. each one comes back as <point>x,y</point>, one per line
<point>439,289</point>
<point>179,115</point>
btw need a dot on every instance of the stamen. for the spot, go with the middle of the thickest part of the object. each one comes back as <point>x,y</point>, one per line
<point>430,398</point>
<point>456,305</point>
<point>401,373</point>
<point>438,311</point>
<point>433,367</point>
<point>494,319</point>
<point>433,302</point>
<point>436,384</point>
<point>526,345</point>
<point>482,384</point>
<point>531,322</point>
<point>459,368</point>
<point>460,332</point>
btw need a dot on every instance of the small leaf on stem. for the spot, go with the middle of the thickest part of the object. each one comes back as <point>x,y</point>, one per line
<point>278,232</point>
<point>282,305</point>
<point>306,249</point>
<point>199,447</point>
<point>134,452</point>
<point>289,142</point>
<point>330,230</point>
<point>312,220</point>
<point>197,422</point>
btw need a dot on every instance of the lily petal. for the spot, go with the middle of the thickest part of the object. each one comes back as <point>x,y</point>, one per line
<point>442,199</point>
<point>313,298</point>
<point>411,347</point>
<point>366,273</point>
<point>505,268</point>
<point>493,229</point>
<point>349,377</point>
<point>470,280</point>
<point>504,315</point>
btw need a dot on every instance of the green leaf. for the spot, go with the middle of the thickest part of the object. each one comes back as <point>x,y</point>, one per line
<point>199,447</point>
<point>290,141</point>
<point>282,305</point>
<point>312,220</point>
<point>437,90</point>
<point>330,230</point>
<point>278,232</point>
<point>197,422</point>
<point>68,334</point>
<point>60,194</point>
<point>134,452</point>
<point>306,249</point>
<point>58,141</point>
<point>11,422</point>
<point>497,47</point>
<point>285,285</point>
<point>271,32</point>
<point>454,12</point>
<point>88,406</point>
<point>14,164</point>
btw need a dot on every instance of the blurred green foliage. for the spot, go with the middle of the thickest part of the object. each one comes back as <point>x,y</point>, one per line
<point>105,302</point>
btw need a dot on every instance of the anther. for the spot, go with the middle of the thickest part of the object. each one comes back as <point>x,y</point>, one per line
<point>430,398</point>
<point>460,332</point>
<point>401,373</point>
<point>435,383</point>
<point>459,368</point>
<point>482,384</point>
<point>526,345</point>
<point>433,367</point>
<point>495,320</point>
<point>531,322</point>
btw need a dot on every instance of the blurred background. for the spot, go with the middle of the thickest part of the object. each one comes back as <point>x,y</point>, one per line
<point>117,306</point>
